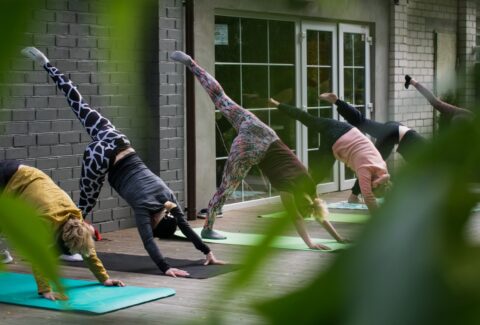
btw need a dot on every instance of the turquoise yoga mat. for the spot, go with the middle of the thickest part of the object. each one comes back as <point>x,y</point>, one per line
<point>285,242</point>
<point>84,296</point>
<point>335,217</point>
<point>347,206</point>
<point>360,206</point>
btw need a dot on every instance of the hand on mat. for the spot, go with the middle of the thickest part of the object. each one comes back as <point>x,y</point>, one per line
<point>52,295</point>
<point>173,272</point>
<point>113,283</point>
<point>344,241</point>
<point>319,246</point>
<point>210,259</point>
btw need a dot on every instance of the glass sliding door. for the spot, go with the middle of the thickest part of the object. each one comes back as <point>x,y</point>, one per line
<point>319,75</point>
<point>254,60</point>
<point>293,62</point>
<point>354,78</point>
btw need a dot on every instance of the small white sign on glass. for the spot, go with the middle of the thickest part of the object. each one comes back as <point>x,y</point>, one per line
<point>221,34</point>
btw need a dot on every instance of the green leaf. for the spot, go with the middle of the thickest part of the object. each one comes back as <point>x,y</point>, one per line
<point>413,264</point>
<point>30,236</point>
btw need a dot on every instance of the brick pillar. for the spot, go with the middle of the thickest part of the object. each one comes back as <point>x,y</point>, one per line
<point>397,64</point>
<point>171,98</point>
<point>467,25</point>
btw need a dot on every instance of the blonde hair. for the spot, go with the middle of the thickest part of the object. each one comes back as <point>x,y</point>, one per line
<point>320,210</point>
<point>77,237</point>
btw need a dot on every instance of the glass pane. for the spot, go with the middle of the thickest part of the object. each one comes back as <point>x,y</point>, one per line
<point>359,49</point>
<point>255,86</point>
<point>263,115</point>
<point>347,49</point>
<point>282,41</point>
<point>228,49</point>
<point>282,84</point>
<point>359,86</point>
<point>284,126</point>
<point>349,174</point>
<point>325,46</point>
<point>220,164</point>
<point>325,80</point>
<point>254,40</point>
<point>313,136</point>
<point>255,185</point>
<point>312,87</point>
<point>312,47</point>
<point>229,77</point>
<point>224,135</point>
<point>348,85</point>
<point>313,165</point>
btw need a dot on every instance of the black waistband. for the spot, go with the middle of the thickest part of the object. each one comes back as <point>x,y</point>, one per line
<point>7,169</point>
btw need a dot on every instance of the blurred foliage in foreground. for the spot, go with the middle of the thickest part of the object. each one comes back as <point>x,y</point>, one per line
<point>19,222</point>
<point>414,263</point>
<point>24,229</point>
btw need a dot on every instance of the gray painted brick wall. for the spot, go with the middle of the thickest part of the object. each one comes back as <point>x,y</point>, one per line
<point>413,23</point>
<point>38,128</point>
<point>171,119</point>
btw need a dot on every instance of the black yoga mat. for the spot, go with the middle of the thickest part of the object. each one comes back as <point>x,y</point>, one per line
<point>144,265</point>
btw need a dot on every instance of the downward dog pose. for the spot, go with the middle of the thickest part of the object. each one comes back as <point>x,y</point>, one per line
<point>111,152</point>
<point>448,113</point>
<point>346,143</point>
<point>258,144</point>
<point>387,134</point>
<point>56,207</point>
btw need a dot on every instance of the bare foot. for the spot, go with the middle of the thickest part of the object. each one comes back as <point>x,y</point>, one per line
<point>354,199</point>
<point>329,97</point>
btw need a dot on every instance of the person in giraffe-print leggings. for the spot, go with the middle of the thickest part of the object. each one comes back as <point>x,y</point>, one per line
<point>111,153</point>
<point>257,144</point>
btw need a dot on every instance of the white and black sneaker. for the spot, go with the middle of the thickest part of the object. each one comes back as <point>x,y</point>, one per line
<point>35,54</point>
<point>202,214</point>
<point>71,258</point>
<point>5,257</point>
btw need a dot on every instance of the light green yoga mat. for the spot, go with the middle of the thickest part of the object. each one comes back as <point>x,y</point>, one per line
<point>335,217</point>
<point>285,242</point>
<point>84,296</point>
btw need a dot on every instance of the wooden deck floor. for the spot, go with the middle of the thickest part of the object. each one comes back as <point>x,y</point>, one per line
<point>195,299</point>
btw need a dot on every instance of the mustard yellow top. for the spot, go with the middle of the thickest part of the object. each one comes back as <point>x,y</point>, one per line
<point>55,206</point>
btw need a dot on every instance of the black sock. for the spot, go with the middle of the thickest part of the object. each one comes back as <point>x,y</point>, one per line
<point>407,81</point>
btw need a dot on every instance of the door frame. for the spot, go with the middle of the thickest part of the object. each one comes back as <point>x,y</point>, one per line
<point>345,184</point>
<point>328,27</point>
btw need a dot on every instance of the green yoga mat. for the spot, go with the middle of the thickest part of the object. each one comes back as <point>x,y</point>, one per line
<point>84,296</point>
<point>285,242</point>
<point>335,217</point>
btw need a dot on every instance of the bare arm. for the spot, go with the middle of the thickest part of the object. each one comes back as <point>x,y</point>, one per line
<point>320,213</point>
<point>289,204</point>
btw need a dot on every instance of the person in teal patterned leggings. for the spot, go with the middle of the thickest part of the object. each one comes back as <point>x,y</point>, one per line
<point>257,144</point>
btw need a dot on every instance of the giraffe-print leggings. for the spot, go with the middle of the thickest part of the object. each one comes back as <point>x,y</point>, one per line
<point>99,154</point>
<point>248,148</point>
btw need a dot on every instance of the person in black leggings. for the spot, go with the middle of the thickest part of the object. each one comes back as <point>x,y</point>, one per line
<point>111,153</point>
<point>387,135</point>
<point>342,141</point>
